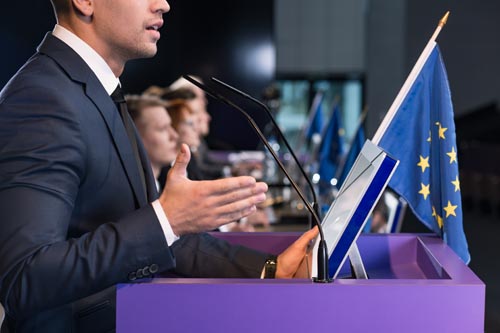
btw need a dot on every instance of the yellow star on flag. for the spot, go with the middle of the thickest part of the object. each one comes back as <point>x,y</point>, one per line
<point>450,209</point>
<point>424,163</point>
<point>429,138</point>
<point>456,182</point>
<point>439,221</point>
<point>441,130</point>
<point>433,211</point>
<point>425,190</point>
<point>453,155</point>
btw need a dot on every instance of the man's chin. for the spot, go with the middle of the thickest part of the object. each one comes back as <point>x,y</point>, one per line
<point>148,52</point>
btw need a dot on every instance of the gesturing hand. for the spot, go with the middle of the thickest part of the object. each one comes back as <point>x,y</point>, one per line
<point>197,206</point>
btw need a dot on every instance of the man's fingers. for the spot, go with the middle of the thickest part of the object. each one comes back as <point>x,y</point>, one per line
<point>253,195</point>
<point>235,210</point>
<point>235,215</point>
<point>181,162</point>
<point>307,237</point>
<point>227,185</point>
<point>236,199</point>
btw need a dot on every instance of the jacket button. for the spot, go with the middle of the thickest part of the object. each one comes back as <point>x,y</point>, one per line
<point>153,268</point>
<point>139,274</point>
<point>132,276</point>
<point>146,271</point>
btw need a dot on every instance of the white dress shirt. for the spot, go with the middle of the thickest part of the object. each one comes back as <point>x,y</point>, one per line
<point>108,79</point>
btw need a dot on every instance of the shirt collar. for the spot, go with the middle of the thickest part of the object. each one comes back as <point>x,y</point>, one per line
<point>90,56</point>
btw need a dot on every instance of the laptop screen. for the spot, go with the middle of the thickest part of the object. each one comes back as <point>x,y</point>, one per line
<point>355,201</point>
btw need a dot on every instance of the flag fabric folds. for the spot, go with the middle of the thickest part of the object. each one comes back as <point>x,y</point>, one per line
<point>331,148</point>
<point>316,120</point>
<point>422,136</point>
<point>357,143</point>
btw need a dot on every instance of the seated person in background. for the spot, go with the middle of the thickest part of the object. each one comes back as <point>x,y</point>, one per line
<point>198,103</point>
<point>184,123</point>
<point>201,167</point>
<point>196,99</point>
<point>153,122</point>
<point>177,99</point>
<point>380,216</point>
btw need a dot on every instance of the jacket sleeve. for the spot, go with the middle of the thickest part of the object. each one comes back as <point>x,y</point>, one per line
<point>204,256</point>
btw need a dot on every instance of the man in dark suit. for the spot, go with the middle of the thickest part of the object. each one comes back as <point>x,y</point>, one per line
<point>79,211</point>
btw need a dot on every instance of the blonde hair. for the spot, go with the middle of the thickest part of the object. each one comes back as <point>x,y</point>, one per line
<point>178,110</point>
<point>137,103</point>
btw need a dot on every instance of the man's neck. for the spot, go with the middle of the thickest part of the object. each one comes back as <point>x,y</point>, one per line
<point>84,31</point>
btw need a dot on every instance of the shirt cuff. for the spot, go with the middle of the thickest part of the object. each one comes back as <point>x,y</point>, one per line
<point>165,225</point>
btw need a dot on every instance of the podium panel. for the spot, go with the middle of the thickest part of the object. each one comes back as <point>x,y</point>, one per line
<point>417,284</point>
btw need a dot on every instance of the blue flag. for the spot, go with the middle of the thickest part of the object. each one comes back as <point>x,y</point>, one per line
<point>331,148</point>
<point>357,143</point>
<point>316,121</point>
<point>422,136</point>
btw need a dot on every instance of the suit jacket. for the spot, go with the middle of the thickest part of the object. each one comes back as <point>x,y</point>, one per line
<point>74,219</point>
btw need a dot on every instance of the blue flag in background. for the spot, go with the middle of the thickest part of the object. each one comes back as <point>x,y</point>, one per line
<point>331,148</point>
<point>357,143</point>
<point>316,121</point>
<point>422,136</point>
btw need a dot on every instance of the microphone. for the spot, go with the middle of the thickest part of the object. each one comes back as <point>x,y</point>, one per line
<point>315,204</point>
<point>323,276</point>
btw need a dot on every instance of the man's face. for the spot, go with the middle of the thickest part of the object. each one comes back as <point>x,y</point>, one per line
<point>128,29</point>
<point>187,130</point>
<point>204,122</point>
<point>158,135</point>
<point>199,107</point>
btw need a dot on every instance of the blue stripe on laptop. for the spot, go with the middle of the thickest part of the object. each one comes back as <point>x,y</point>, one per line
<point>359,217</point>
<point>397,215</point>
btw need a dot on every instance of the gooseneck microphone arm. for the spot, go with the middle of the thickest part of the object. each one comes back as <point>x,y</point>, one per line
<point>323,276</point>
<point>315,204</point>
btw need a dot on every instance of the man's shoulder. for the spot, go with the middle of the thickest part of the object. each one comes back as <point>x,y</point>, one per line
<point>37,71</point>
<point>40,73</point>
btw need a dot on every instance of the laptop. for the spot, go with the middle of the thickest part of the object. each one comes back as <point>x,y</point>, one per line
<point>355,201</point>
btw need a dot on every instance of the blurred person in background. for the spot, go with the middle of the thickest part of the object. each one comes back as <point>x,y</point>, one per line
<point>154,125</point>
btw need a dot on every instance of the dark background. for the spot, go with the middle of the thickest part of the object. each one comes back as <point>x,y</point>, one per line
<point>209,38</point>
<point>203,38</point>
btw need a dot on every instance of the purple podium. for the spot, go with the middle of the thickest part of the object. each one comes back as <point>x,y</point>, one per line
<point>417,284</point>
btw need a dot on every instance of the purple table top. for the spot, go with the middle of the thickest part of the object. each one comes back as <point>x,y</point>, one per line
<point>417,284</point>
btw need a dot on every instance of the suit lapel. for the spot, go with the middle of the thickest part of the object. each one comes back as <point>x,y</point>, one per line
<point>78,70</point>
<point>148,171</point>
<point>120,139</point>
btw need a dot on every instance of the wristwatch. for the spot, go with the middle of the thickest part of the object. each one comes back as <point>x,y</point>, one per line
<point>270,267</point>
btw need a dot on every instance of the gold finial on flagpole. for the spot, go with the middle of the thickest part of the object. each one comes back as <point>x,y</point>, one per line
<point>442,22</point>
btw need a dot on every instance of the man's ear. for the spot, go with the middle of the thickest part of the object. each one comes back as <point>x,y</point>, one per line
<point>83,7</point>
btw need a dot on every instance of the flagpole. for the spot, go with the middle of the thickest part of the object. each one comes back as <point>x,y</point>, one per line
<point>441,24</point>
<point>317,147</point>
<point>343,161</point>
<point>318,98</point>
<point>409,81</point>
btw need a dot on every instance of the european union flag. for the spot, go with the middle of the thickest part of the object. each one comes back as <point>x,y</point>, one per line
<point>331,148</point>
<point>422,136</point>
<point>357,143</point>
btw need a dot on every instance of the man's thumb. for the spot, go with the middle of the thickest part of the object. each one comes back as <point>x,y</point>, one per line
<point>181,161</point>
